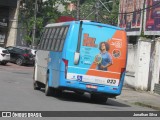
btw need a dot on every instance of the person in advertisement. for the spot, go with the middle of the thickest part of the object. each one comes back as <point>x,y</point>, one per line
<point>103,59</point>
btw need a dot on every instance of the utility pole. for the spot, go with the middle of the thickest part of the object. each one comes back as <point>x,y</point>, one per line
<point>34,25</point>
<point>78,10</point>
<point>97,10</point>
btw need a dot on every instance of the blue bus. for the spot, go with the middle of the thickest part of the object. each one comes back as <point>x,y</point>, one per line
<point>81,56</point>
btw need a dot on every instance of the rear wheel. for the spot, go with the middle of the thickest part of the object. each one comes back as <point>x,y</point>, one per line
<point>19,61</point>
<point>36,85</point>
<point>3,63</point>
<point>57,92</point>
<point>79,92</point>
<point>99,98</point>
<point>48,90</point>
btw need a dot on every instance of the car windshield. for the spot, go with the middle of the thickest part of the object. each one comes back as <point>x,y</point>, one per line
<point>5,51</point>
<point>27,51</point>
<point>23,51</point>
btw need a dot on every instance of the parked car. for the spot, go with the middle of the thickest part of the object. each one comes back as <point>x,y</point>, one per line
<point>20,55</point>
<point>4,56</point>
<point>33,51</point>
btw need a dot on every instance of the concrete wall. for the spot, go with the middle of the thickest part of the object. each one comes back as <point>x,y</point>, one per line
<point>132,56</point>
<point>156,64</point>
<point>13,22</point>
<point>138,65</point>
<point>131,65</point>
<point>142,64</point>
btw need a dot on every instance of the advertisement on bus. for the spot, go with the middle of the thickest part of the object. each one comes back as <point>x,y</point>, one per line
<point>102,56</point>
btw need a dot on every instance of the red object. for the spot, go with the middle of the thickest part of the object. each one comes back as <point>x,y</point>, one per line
<point>25,55</point>
<point>65,19</point>
<point>150,22</point>
<point>66,66</point>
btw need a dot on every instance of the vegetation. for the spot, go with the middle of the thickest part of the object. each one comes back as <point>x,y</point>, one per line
<point>47,12</point>
<point>87,10</point>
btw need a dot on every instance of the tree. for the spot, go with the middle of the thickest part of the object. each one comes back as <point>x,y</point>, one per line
<point>87,10</point>
<point>46,13</point>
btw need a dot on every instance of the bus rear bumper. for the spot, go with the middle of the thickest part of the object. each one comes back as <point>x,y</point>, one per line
<point>110,91</point>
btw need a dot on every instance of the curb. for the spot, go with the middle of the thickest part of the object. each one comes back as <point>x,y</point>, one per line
<point>147,105</point>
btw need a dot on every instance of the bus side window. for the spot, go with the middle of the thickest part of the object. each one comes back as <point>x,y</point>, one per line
<point>51,39</point>
<point>43,39</point>
<point>63,38</point>
<point>47,39</point>
<point>59,38</point>
<point>55,39</point>
<point>40,39</point>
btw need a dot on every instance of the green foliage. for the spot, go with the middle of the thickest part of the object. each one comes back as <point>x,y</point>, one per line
<point>46,13</point>
<point>87,10</point>
<point>28,39</point>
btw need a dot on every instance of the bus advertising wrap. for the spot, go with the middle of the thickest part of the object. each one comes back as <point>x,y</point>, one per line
<point>102,56</point>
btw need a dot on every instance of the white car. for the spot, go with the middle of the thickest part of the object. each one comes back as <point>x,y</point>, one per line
<point>4,56</point>
<point>33,51</point>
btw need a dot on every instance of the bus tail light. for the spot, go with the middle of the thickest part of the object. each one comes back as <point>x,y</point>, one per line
<point>66,66</point>
<point>122,70</point>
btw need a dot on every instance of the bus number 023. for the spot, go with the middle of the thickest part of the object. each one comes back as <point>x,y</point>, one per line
<point>111,81</point>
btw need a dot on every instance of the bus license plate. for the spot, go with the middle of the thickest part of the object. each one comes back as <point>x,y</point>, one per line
<point>91,86</point>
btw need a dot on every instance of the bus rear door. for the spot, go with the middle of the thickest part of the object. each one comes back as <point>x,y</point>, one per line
<point>88,62</point>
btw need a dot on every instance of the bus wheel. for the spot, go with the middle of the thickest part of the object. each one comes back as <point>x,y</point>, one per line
<point>4,63</point>
<point>79,92</point>
<point>99,98</point>
<point>48,90</point>
<point>57,92</point>
<point>36,85</point>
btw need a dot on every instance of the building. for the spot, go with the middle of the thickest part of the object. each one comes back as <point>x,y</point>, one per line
<point>8,21</point>
<point>142,18</point>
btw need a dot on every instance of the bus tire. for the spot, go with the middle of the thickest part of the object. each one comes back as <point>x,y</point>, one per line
<point>57,92</point>
<point>4,63</point>
<point>36,85</point>
<point>48,90</point>
<point>99,98</point>
<point>79,92</point>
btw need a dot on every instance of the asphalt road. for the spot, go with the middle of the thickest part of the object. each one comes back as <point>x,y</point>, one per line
<point>17,94</point>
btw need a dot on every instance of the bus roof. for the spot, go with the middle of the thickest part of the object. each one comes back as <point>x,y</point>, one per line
<point>84,21</point>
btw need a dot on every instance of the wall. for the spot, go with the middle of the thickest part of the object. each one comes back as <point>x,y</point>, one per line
<point>142,64</point>
<point>13,23</point>
<point>132,55</point>
<point>156,64</point>
<point>138,64</point>
<point>130,69</point>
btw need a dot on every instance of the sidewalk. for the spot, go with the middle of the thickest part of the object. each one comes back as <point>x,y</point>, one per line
<point>141,98</point>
